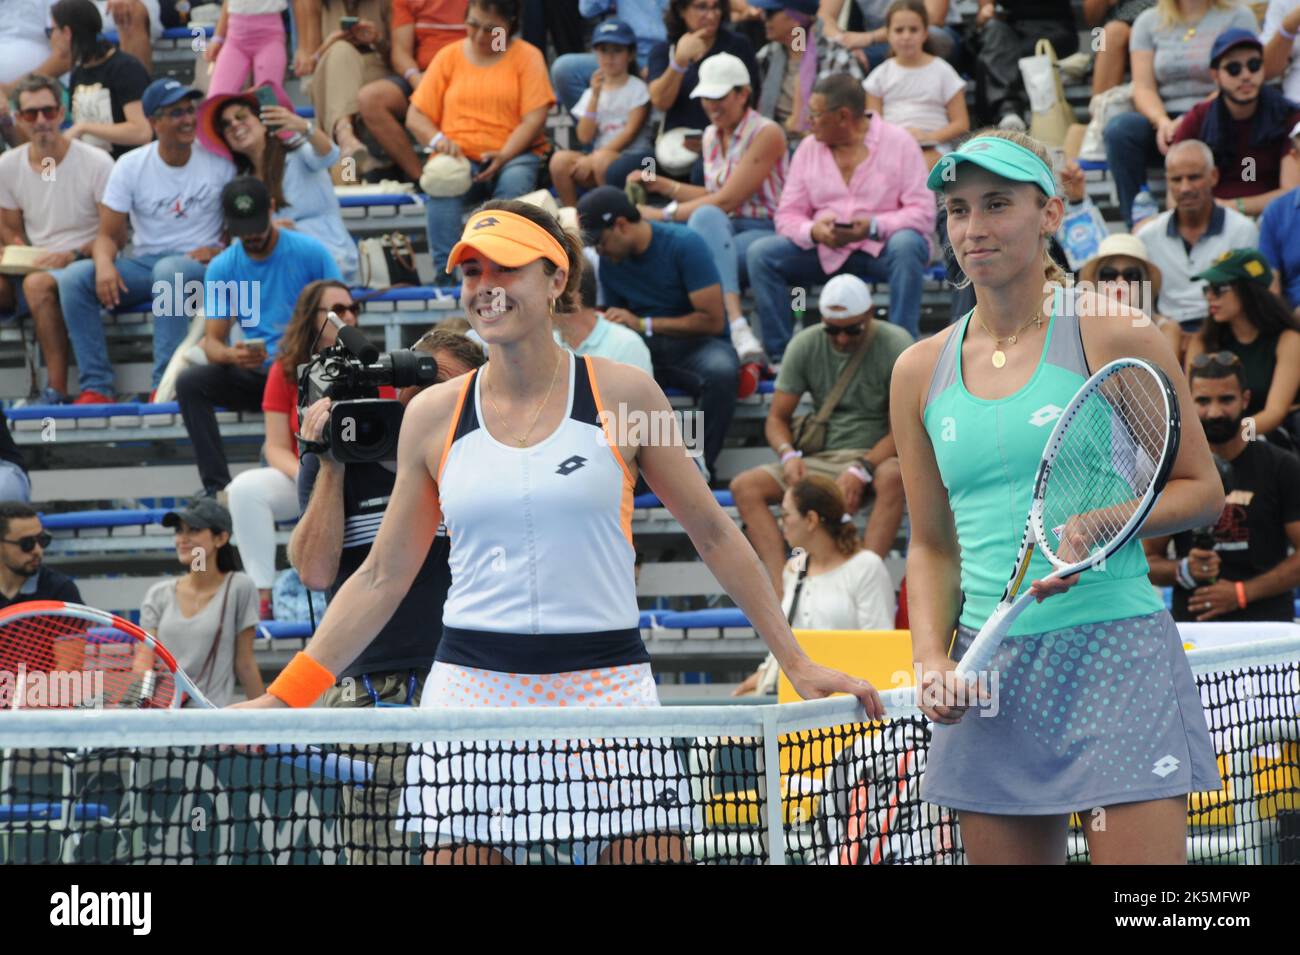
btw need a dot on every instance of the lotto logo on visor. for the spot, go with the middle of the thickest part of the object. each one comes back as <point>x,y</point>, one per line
<point>485,223</point>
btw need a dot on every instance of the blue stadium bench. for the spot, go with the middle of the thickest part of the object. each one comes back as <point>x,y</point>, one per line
<point>49,811</point>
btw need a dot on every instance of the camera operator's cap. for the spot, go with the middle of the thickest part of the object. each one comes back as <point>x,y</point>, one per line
<point>1238,265</point>
<point>202,513</point>
<point>445,175</point>
<point>1230,40</point>
<point>613,31</point>
<point>246,206</point>
<point>844,296</point>
<point>999,156</point>
<point>598,209</point>
<point>508,239</point>
<point>165,92</point>
<point>719,75</point>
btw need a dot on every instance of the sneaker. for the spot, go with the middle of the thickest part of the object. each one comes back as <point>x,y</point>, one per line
<point>751,373</point>
<point>1012,121</point>
<point>745,342</point>
<point>89,397</point>
<point>48,396</point>
<point>264,611</point>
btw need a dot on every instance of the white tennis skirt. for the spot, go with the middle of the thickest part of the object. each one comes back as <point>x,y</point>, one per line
<point>520,792</point>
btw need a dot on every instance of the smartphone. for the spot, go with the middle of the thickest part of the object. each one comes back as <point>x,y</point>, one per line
<point>255,344</point>
<point>347,23</point>
<point>266,97</point>
<point>843,225</point>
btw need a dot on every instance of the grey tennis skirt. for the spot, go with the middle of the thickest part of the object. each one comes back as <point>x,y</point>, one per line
<point>1086,716</point>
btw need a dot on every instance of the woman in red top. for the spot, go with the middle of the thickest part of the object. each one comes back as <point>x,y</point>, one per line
<point>261,496</point>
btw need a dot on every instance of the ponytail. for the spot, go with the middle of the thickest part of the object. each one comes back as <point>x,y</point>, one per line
<point>822,496</point>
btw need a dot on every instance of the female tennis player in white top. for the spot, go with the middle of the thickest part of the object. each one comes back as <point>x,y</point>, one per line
<point>1097,710</point>
<point>535,483</point>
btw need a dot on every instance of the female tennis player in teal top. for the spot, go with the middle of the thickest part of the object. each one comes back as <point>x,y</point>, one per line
<point>1095,707</point>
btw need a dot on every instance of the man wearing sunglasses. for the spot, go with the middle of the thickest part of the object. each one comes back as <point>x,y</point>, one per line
<point>853,347</point>
<point>1245,126</point>
<point>23,576</point>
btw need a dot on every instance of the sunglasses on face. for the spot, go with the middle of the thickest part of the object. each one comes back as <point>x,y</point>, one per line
<point>354,310</point>
<point>1224,359</point>
<point>44,112</point>
<point>1109,274</point>
<point>833,330</point>
<point>1214,289</point>
<point>30,543</point>
<point>240,116</point>
<point>1233,69</point>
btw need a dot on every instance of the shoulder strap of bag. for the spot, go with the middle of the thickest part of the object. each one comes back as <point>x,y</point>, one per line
<point>216,640</point>
<point>842,382</point>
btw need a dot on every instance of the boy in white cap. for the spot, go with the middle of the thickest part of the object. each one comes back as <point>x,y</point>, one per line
<point>845,363</point>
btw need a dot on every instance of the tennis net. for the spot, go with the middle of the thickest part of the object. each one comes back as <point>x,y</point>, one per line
<point>799,783</point>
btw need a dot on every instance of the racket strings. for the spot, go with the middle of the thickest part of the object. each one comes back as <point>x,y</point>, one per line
<point>1105,464</point>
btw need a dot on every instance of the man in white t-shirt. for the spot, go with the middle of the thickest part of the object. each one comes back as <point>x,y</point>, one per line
<point>50,190</point>
<point>170,193</point>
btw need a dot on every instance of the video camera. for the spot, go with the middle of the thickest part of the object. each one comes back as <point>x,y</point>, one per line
<point>362,427</point>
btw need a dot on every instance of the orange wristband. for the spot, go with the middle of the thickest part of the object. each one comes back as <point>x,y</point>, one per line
<point>1241,595</point>
<point>302,682</point>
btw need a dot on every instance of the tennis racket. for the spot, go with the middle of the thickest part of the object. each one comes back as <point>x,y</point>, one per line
<point>1105,463</point>
<point>67,656</point>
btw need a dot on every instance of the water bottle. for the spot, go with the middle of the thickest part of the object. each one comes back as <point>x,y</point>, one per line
<point>1081,233</point>
<point>1144,205</point>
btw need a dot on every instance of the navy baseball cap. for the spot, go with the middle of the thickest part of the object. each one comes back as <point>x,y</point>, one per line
<point>598,209</point>
<point>808,7</point>
<point>1231,39</point>
<point>165,92</point>
<point>613,31</point>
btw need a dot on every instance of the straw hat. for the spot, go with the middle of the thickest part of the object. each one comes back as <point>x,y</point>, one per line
<point>1121,243</point>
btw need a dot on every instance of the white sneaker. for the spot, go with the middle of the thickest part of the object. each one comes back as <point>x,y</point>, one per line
<point>745,342</point>
<point>1012,121</point>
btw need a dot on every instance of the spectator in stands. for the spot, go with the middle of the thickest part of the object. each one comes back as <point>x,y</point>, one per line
<point>612,114</point>
<point>660,281</point>
<point>207,618</point>
<point>421,28</point>
<point>170,192</point>
<point>1116,18</point>
<point>873,40</point>
<point>836,584</point>
<point>1281,24</point>
<point>260,497</point>
<point>483,100</point>
<point>341,510</point>
<point>1170,49</point>
<point>1278,228</point>
<point>1122,271</point>
<point>789,62</point>
<point>56,213</point>
<point>854,201</point>
<point>1186,239</point>
<point>588,332</point>
<point>745,165</point>
<point>1238,570</point>
<point>1249,321</point>
<point>15,485</point>
<point>249,39</point>
<point>296,170</point>
<point>914,90</point>
<point>1245,126</point>
<point>106,83</point>
<point>23,576</point>
<point>1009,30</point>
<point>137,24</point>
<point>852,395</point>
<point>697,30</point>
<point>341,64</point>
<point>571,72</point>
<point>256,282</point>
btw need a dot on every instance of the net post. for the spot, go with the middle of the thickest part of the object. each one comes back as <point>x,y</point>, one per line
<point>769,790</point>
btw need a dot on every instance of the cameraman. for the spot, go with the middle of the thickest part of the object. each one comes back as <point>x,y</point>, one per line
<point>1240,570</point>
<point>343,506</point>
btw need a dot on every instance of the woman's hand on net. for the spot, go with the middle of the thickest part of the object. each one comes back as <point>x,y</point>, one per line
<point>812,681</point>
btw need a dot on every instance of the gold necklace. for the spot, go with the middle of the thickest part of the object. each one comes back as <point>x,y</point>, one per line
<point>523,439</point>
<point>999,357</point>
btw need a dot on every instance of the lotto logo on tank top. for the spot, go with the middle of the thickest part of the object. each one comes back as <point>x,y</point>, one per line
<point>1045,415</point>
<point>570,464</point>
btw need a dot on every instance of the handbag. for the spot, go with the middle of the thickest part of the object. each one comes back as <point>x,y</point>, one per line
<point>386,261</point>
<point>1052,115</point>
<point>808,431</point>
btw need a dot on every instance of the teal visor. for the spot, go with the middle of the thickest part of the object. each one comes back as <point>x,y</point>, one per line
<point>999,156</point>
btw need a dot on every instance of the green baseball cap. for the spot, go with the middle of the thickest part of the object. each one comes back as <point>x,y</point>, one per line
<point>1238,265</point>
<point>999,156</point>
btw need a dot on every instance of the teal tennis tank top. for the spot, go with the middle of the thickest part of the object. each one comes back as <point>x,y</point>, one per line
<point>988,454</point>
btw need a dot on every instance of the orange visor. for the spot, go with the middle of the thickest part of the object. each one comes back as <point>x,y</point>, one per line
<point>507,239</point>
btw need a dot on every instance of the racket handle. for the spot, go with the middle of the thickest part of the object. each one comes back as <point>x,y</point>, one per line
<point>979,655</point>
<point>344,769</point>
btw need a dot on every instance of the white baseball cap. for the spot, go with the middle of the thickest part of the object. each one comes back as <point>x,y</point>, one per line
<point>844,296</point>
<point>719,75</point>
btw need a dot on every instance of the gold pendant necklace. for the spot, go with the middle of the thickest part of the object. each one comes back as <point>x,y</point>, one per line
<point>999,357</point>
<point>523,439</point>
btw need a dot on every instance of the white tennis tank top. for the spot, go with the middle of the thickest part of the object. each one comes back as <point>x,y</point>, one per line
<point>541,537</point>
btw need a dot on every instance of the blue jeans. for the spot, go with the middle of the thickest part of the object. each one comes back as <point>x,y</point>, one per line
<point>81,310</point>
<point>1130,149</point>
<point>446,215</point>
<point>776,265</point>
<point>571,75</point>
<point>707,369</point>
<point>729,239</point>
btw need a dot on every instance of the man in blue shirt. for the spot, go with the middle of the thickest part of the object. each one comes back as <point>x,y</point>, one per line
<point>660,281</point>
<point>1278,228</point>
<point>255,282</point>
